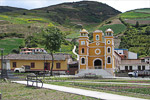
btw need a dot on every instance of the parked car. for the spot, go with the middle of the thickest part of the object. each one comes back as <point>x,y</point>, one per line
<point>23,69</point>
<point>139,73</point>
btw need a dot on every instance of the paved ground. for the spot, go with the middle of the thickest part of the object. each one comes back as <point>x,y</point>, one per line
<point>74,51</point>
<point>95,94</point>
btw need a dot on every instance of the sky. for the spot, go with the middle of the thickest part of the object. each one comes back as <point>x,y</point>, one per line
<point>121,5</point>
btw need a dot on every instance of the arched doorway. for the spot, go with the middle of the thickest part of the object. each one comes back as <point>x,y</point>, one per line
<point>97,64</point>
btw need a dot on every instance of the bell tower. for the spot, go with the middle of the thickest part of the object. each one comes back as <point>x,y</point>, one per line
<point>83,49</point>
<point>109,49</point>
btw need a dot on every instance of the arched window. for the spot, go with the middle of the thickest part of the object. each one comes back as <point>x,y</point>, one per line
<point>83,60</point>
<point>97,37</point>
<point>109,60</point>
<point>108,50</point>
<point>82,50</point>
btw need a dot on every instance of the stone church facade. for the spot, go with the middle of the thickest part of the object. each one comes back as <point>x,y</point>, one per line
<point>98,53</point>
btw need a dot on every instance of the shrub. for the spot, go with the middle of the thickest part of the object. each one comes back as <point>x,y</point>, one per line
<point>15,51</point>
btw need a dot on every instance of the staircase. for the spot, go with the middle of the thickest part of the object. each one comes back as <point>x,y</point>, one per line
<point>98,72</point>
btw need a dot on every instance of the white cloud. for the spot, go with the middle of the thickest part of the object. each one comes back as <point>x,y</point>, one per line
<point>122,5</point>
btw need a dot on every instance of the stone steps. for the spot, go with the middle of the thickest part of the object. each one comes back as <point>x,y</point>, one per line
<point>97,72</point>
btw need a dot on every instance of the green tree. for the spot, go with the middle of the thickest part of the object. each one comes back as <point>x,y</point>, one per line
<point>31,41</point>
<point>137,24</point>
<point>52,40</point>
<point>147,30</point>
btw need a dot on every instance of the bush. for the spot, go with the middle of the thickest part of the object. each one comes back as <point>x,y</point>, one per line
<point>15,51</point>
<point>3,35</point>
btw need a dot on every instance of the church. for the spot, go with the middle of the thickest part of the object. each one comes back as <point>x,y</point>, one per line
<point>97,53</point>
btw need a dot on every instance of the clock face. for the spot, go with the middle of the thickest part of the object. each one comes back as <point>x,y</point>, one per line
<point>97,51</point>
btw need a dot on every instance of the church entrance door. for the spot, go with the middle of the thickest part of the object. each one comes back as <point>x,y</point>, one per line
<point>98,64</point>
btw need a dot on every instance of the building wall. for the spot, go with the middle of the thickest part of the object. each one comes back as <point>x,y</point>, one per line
<point>39,64</point>
<point>119,51</point>
<point>147,60</point>
<point>134,67</point>
<point>93,51</point>
<point>132,55</point>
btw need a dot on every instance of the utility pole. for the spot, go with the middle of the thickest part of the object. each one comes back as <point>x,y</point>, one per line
<point>2,69</point>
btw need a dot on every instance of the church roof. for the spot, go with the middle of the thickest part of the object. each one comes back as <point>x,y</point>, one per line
<point>109,30</point>
<point>98,31</point>
<point>83,31</point>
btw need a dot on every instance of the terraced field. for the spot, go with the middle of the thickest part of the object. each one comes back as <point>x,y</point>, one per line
<point>140,15</point>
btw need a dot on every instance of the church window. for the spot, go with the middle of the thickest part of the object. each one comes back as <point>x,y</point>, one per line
<point>97,37</point>
<point>108,50</point>
<point>83,60</point>
<point>108,41</point>
<point>108,60</point>
<point>82,42</point>
<point>97,51</point>
<point>82,50</point>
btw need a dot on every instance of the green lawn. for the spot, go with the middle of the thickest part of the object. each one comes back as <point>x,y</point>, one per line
<point>117,28</point>
<point>10,43</point>
<point>141,91</point>
<point>132,15</point>
<point>14,91</point>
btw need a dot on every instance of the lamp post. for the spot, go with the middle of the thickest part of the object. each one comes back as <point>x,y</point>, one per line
<point>44,63</point>
<point>2,69</point>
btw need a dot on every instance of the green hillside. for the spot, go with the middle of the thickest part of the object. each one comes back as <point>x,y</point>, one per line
<point>9,9</point>
<point>16,25</point>
<point>9,44</point>
<point>68,17</point>
<point>117,28</point>
<point>140,15</point>
<point>137,36</point>
<point>83,12</point>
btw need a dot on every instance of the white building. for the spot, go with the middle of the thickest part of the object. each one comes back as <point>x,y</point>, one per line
<point>126,54</point>
<point>127,61</point>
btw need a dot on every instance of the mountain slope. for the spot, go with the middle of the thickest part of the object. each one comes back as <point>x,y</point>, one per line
<point>9,9</point>
<point>83,12</point>
<point>137,33</point>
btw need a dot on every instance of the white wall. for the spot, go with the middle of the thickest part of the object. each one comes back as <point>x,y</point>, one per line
<point>147,60</point>
<point>132,55</point>
<point>119,51</point>
<point>135,67</point>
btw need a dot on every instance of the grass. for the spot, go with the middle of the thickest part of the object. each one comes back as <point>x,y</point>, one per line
<point>97,80</point>
<point>117,28</point>
<point>73,35</point>
<point>140,91</point>
<point>13,91</point>
<point>23,19</point>
<point>66,48</point>
<point>142,19</point>
<point>10,43</point>
<point>126,90</point>
<point>143,10</point>
<point>132,15</point>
